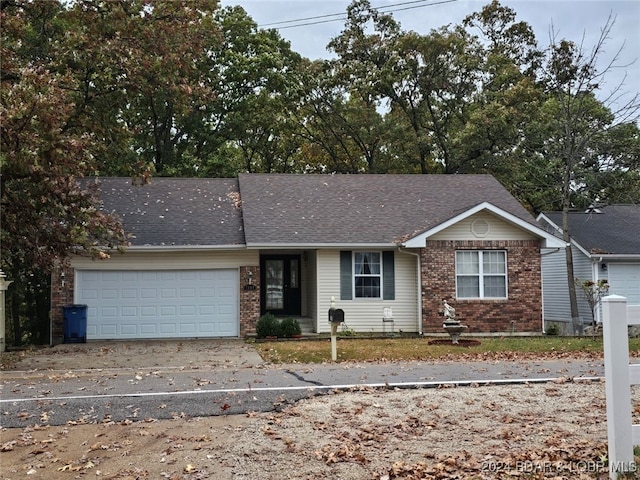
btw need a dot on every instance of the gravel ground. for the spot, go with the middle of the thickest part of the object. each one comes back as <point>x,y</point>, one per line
<point>554,430</point>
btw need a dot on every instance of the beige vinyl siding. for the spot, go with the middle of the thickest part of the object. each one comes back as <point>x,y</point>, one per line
<point>496,229</point>
<point>365,315</point>
<point>309,301</point>
<point>201,260</point>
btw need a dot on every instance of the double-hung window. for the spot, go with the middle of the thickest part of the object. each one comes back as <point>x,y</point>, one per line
<point>481,274</point>
<point>367,274</point>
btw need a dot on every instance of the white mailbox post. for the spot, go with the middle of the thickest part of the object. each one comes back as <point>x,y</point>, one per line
<point>336,317</point>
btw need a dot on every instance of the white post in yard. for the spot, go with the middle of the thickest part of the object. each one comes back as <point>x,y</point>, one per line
<point>4,285</point>
<point>617,385</point>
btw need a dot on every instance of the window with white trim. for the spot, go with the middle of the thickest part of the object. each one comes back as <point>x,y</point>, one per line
<point>481,274</point>
<point>367,274</point>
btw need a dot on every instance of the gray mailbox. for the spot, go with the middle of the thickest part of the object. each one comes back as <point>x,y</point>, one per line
<point>336,315</point>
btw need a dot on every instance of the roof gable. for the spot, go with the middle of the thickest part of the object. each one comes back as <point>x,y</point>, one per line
<point>613,229</point>
<point>550,240</point>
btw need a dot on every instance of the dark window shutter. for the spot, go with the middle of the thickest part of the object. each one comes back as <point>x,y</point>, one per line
<point>345,276</point>
<point>388,276</point>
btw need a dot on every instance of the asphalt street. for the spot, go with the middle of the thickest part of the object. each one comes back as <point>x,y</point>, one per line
<point>57,397</point>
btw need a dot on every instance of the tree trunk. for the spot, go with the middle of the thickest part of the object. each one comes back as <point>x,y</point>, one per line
<point>15,318</point>
<point>573,301</point>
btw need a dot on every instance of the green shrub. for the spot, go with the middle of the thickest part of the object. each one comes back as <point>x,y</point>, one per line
<point>289,327</point>
<point>553,329</point>
<point>268,326</point>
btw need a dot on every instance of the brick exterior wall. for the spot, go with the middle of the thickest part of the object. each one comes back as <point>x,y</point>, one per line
<point>62,286</point>
<point>249,301</point>
<point>520,312</point>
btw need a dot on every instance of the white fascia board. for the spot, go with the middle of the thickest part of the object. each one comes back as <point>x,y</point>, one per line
<point>181,248</point>
<point>597,257</point>
<point>317,246</point>
<point>550,241</point>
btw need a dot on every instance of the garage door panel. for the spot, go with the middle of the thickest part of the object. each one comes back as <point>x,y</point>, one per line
<point>188,329</point>
<point>168,311</point>
<point>226,328</point>
<point>149,329</point>
<point>129,329</point>
<point>88,294</point>
<point>107,330</point>
<point>109,277</point>
<point>148,293</point>
<point>624,279</point>
<point>156,304</point>
<point>190,275</point>
<point>168,293</point>
<point>129,293</point>
<point>107,312</point>
<point>109,294</point>
<point>168,329</point>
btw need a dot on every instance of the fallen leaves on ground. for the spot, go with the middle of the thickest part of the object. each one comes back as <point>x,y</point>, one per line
<point>537,431</point>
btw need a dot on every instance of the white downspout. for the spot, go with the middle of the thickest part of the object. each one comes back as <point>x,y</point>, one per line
<point>419,284</point>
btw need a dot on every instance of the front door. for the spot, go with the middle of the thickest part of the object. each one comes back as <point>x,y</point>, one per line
<point>280,282</point>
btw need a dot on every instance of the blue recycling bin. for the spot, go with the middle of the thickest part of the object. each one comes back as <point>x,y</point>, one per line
<point>75,323</point>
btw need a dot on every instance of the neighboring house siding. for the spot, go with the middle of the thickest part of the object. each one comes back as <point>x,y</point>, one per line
<point>556,289</point>
<point>365,315</point>
<point>520,312</point>
<point>485,226</point>
<point>554,286</point>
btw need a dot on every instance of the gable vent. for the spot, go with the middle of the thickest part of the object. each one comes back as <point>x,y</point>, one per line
<point>593,208</point>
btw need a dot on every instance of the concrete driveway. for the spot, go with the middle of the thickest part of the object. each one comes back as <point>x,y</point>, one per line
<point>141,354</point>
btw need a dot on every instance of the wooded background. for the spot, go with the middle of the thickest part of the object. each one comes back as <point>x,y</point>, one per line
<point>187,88</point>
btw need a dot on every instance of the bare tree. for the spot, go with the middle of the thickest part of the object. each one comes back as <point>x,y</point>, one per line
<point>572,77</point>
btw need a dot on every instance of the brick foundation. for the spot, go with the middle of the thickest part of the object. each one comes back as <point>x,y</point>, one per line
<point>520,312</point>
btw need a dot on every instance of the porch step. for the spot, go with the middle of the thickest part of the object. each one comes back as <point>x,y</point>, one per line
<point>306,325</point>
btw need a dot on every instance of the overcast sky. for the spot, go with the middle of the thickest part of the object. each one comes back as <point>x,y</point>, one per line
<point>571,19</point>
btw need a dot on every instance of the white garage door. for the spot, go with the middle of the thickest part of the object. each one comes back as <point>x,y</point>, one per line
<point>159,304</point>
<point>624,279</point>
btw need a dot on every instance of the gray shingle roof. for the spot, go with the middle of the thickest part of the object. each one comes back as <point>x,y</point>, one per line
<point>176,211</point>
<point>616,230</point>
<point>360,209</point>
<point>280,209</point>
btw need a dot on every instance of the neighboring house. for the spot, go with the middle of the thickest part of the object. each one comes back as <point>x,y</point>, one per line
<point>605,245</point>
<point>209,256</point>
